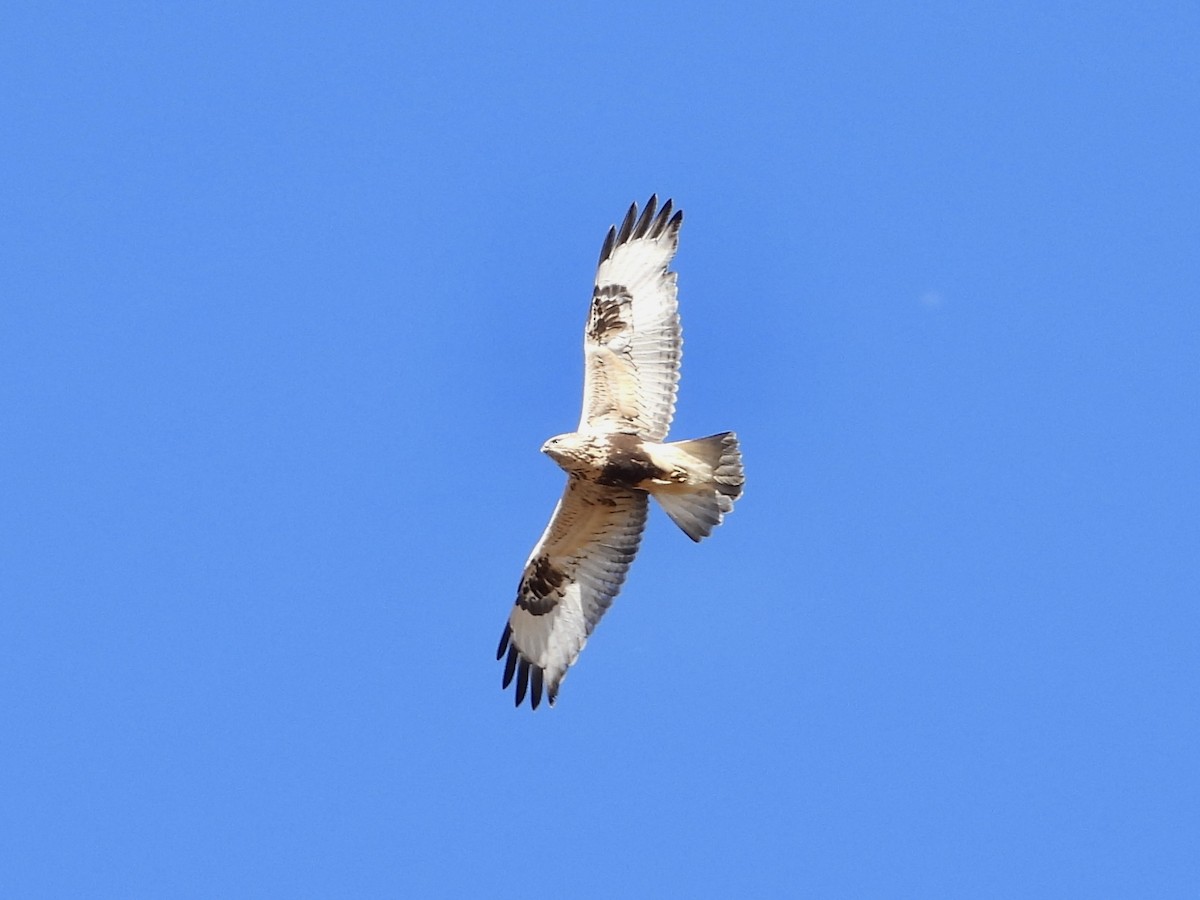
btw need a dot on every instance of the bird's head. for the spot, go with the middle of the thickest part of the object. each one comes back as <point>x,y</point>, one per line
<point>568,450</point>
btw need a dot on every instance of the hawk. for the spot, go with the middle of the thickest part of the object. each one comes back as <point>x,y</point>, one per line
<point>616,459</point>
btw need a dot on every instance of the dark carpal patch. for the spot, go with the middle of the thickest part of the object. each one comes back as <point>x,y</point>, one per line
<point>628,464</point>
<point>609,314</point>
<point>539,590</point>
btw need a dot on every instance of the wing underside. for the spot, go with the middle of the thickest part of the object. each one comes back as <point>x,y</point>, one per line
<point>569,582</point>
<point>633,342</point>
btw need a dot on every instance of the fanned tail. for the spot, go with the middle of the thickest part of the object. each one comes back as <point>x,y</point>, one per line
<point>699,505</point>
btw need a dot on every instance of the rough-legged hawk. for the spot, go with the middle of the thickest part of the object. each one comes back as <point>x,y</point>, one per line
<point>616,458</point>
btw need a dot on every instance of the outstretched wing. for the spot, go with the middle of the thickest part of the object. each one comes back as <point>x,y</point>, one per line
<point>570,579</point>
<point>633,343</point>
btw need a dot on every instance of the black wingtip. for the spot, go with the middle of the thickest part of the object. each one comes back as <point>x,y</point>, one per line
<point>522,680</point>
<point>627,225</point>
<point>647,225</point>
<point>529,675</point>
<point>660,223</point>
<point>536,694</point>
<point>510,666</point>
<point>609,241</point>
<point>646,218</point>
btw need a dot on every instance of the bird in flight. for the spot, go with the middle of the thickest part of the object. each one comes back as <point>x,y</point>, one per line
<point>616,458</point>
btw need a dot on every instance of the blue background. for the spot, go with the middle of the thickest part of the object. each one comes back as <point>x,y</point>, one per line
<point>290,295</point>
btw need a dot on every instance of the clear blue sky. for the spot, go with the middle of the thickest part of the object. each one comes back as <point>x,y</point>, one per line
<point>291,294</point>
